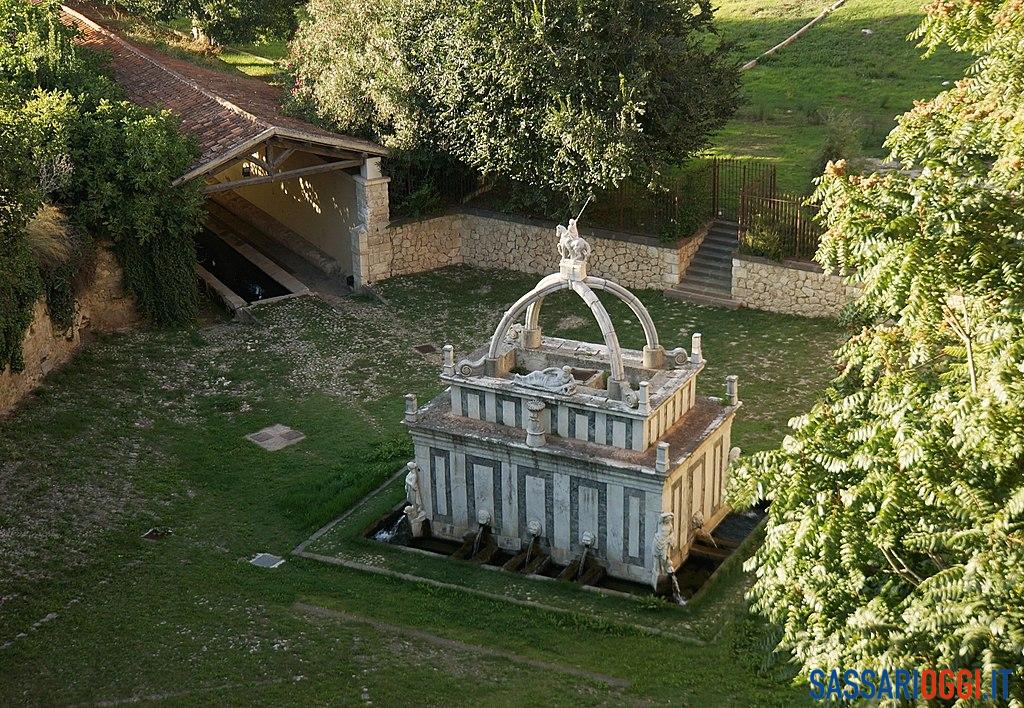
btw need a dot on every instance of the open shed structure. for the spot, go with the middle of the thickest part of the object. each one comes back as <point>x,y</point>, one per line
<point>321,187</point>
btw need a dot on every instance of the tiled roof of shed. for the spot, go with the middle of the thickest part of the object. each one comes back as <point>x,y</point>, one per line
<point>226,114</point>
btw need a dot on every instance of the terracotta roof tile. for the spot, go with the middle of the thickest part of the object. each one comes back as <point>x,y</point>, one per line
<point>225,113</point>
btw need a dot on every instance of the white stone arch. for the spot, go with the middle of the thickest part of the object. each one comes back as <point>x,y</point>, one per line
<point>631,300</point>
<point>552,284</point>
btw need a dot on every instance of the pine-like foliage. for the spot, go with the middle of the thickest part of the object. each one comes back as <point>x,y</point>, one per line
<point>896,529</point>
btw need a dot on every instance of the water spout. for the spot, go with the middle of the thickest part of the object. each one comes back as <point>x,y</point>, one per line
<point>476,541</point>
<point>677,594</point>
<point>588,541</point>
<point>583,563</point>
<point>386,535</point>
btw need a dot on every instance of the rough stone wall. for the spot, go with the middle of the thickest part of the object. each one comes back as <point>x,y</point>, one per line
<point>687,250</point>
<point>485,241</point>
<point>102,307</point>
<point>637,262</point>
<point>417,245</point>
<point>791,288</point>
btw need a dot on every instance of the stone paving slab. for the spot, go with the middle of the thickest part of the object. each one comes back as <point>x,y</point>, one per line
<point>266,560</point>
<point>276,437</point>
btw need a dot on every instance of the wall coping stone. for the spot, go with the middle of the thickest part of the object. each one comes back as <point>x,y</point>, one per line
<point>808,266</point>
<point>406,220</point>
<point>593,231</point>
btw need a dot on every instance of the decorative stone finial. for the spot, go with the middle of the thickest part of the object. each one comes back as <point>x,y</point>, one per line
<point>411,408</point>
<point>732,389</point>
<point>696,356</point>
<point>448,360</point>
<point>644,403</point>
<point>661,461</point>
<point>574,251</point>
<point>534,428</point>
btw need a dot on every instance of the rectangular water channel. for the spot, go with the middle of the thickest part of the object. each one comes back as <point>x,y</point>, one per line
<point>696,570</point>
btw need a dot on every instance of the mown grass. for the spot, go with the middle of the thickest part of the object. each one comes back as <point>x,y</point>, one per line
<point>833,68</point>
<point>147,430</point>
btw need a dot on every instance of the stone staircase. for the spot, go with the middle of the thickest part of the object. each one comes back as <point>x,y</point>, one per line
<point>708,279</point>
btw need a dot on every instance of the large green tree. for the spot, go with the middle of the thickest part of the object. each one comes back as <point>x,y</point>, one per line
<point>223,20</point>
<point>70,140</point>
<point>896,527</point>
<point>559,94</point>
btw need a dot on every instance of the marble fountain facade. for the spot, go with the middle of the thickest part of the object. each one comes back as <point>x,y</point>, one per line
<point>581,448</point>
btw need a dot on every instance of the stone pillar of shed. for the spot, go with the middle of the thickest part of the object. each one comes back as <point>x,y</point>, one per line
<point>370,244</point>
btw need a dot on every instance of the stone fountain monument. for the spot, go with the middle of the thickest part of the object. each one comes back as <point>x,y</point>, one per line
<point>587,451</point>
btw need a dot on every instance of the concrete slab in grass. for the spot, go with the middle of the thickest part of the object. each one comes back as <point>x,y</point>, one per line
<point>266,560</point>
<point>276,437</point>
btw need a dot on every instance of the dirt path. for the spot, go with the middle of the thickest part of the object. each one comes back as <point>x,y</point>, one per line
<point>455,645</point>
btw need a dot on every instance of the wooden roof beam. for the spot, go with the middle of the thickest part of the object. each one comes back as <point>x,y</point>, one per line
<point>281,176</point>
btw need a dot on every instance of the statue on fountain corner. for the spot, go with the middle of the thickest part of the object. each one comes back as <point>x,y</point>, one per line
<point>663,546</point>
<point>414,512</point>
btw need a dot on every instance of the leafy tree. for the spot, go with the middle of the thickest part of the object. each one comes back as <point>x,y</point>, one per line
<point>70,140</point>
<point>224,20</point>
<point>896,526</point>
<point>560,94</point>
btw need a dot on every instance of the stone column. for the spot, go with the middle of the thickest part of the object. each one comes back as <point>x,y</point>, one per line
<point>370,246</point>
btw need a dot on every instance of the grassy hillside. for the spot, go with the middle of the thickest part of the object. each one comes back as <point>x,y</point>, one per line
<point>834,68</point>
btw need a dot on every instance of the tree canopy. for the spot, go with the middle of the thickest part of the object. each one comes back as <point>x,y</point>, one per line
<point>70,139</point>
<point>896,525</point>
<point>562,95</point>
<point>224,20</point>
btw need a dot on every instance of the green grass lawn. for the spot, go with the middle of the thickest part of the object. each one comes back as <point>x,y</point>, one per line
<point>147,430</point>
<point>264,60</point>
<point>834,67</point>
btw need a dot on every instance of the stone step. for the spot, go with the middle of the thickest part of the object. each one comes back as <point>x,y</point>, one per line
<point>718,248</point>
<point>701,297</point>
<point>708,272</point>
<point>713,286</point>
<point>723,260</point>
<point>725,244</point>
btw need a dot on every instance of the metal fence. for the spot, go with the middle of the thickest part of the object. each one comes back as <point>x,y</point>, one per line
<point>728,189</point>
<point>731,178</point>
<point>778,226</point>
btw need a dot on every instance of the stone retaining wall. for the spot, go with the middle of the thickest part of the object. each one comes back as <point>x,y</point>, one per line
<point>489,240</point>
<point>418,245</point>
<point>102,307</point>
<point>791,287</point>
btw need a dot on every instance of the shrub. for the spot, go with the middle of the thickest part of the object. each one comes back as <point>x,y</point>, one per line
<point>693,195</point>
<point>69,140</point>
<point>765,238</point>
<point>843,140</point>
